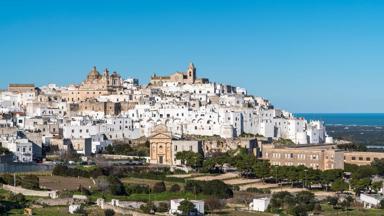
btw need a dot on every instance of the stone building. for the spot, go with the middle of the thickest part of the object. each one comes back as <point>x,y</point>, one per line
<point>362,158</point>
<point>94,86</point>
<point>316,157</point>
<point>161,146</point>
<point>20,88</point>
<point>188,77</point>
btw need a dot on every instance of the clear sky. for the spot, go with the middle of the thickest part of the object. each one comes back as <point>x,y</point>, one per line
<point>305,56</point>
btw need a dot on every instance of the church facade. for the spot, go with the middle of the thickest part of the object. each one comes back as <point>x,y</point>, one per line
<point>95,85</point>
<point>161,146</point>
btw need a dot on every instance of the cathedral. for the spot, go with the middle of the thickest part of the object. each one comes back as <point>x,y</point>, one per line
<point>95,85</point>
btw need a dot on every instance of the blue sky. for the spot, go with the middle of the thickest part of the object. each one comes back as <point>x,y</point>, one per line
<point>305,56</point>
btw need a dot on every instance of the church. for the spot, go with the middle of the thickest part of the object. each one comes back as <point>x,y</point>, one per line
<point>188,77</point>
<point>95,85</point>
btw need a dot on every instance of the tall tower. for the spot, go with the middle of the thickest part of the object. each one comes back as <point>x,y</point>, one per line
<point>191,73</point>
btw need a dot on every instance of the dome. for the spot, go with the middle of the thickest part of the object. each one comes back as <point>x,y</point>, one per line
<point>93,74</point>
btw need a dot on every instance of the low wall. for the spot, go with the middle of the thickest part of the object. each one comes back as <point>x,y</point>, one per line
<point>28,192</point>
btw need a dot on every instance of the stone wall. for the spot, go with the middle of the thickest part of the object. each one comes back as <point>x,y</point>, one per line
<point>27,192</point>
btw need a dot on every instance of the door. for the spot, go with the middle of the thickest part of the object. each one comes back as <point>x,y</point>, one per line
<point>161,160</point>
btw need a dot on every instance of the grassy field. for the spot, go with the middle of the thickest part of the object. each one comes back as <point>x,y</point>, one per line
<point>149,182</point>
<point>329,211</point>
<point>165,196</point>
<point>62,182</point>
<point>46,211</point>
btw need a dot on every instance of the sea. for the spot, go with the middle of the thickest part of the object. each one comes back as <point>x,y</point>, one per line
<point>346,119</point>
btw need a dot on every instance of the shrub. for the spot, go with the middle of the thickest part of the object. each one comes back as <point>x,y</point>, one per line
<point>215,188</point>
<point>30,182</point>
<point>259,191</point>
<point>136,188</point>
<point>109,212</point>
<point>175,188</point>
<point>213,204</point>
<point>159,187</point>
<point>84,190</point>
<point>162,207</point>
<point>148,208</point>
<point>116,186</point>
<point>110,184</point>
<point>186,207</point>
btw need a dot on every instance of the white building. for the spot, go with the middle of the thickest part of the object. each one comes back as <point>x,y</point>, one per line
<point>371,200</point>
<point>175,203</point>
<point>260,204</point>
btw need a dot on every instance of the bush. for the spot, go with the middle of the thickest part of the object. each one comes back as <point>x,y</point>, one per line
<point>159,187</point>
<point>162,207</point>
<point>186,207</point>
<point>65,194</point>
<point>109,212</point>
<point>84,190</point>
<point>148,208</point>
<point>215,188</point>
<point>30,182</point>
<point>175,188</point>
<point>212,204</point>
<point>138,189</point>
<point>111,185</point>
<point>9,179</point>
<point>259,191</point>
<point>62,170</point>
<point>116,187</point>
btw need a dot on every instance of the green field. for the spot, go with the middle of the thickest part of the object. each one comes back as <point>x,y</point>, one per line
<point>329,211</point>
<point>165,196</point>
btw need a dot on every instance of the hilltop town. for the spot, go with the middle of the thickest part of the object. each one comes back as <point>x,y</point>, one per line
<point>179,129</point>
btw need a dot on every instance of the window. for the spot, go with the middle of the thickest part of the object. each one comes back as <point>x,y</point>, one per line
<point>353,158</point>
<point>368,159</point>
<point>360,158</point>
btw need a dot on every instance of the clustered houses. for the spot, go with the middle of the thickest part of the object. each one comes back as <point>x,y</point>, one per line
<point>89,116</point>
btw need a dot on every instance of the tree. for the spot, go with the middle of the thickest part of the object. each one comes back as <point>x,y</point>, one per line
<point>116,187</point>
<point>376,186</point>
<point>102,183</point>
<point>4,151</point>
<point>189,158</point>
<point>281,200</point>
<point>214,204</point>
<point>346,203</point>
<point>186,207</point>
<point>159,187</point>
<point>317,208</point>
<point>382,204</point>
<point>218,189</point>
<point>363,172</point>
<point>109,212</point>
<point>360,184</point>
<point>339,185</point>
<point>298,210</point>
<point>30,182</point>
<point>333,201</point>
<point>378,164</point>
<point>306,200</point>
<point>148,208</point>
<point>261,169</point>
<point>162,207</point>
<point>110,184</point>
<point>175,188</point>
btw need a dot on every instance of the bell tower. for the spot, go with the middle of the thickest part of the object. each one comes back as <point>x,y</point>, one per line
<point>191,73</point>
